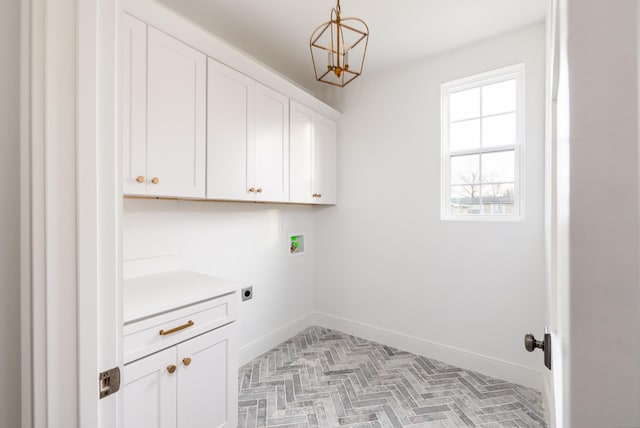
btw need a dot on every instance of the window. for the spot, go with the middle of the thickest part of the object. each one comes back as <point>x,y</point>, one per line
<point>482,146</point>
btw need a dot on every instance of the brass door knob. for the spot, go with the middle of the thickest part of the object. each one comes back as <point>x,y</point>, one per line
<point>155,180</point>
<point>171,369</point>
<point>252,190</point>
<point>259,190</point>
<point>186,361</point>
<point>140,179</point>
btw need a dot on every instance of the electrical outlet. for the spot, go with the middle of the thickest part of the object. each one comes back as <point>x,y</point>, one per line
<point>247,293</point>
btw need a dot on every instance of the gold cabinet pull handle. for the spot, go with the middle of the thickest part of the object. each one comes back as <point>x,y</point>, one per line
<point>140,179</point>
<point>252,190</point>
<point>186,361</point>
<point>259,190</point>
<point>155,180</point>
<point>175,329</point>
<point>171,368</point>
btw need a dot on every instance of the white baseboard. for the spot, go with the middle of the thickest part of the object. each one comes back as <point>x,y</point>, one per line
<point>260,346</point>
<point>464,359</point>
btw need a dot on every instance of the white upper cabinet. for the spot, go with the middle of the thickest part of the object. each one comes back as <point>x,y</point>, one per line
<point>248,138</point>
<point>271,149</point>
<point>176,117</point>
<point>230,134</point>
<point>313,157</point>
<point>193,127</point>
<point>301,168</point>
<point>134,106</point>
<point>163,114</point>
<point>324,160</point>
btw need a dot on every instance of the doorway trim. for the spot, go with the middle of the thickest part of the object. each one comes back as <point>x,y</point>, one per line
<point>70,211</point>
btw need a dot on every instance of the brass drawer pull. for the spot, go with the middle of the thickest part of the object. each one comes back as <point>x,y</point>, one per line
<point>155,180</point>
<point>171,369</point>
<point>140,179</point>
<point>259,190</point>
<point>186,361</point>
<point>252,190</point>
<point>173,330</point>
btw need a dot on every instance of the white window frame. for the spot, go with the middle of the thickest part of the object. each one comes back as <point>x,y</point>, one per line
<point>495,76</point>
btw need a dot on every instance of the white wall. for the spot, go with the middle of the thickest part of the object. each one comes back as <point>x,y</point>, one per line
<point>10,214</point>
<point>241,241</point>
<point>385,259</point>
<point>600,48</point>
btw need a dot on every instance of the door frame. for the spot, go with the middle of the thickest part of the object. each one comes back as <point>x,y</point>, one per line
<point>70,211</point>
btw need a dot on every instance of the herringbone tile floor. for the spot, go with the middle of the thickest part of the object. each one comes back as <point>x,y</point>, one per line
<point>324,378</point>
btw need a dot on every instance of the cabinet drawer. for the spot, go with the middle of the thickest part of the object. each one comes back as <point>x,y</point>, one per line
<point>152,334</point>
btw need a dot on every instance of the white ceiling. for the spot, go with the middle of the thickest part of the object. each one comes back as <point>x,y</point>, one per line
<point>276,32</point>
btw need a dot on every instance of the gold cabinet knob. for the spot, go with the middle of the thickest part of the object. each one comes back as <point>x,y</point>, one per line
<point>319,195</point>
<point>155,180</point>
<point>316,195</point>
<point>140,179</point>
<point>171,369</point>
<point>186,361</point>
<point>252,190</point>
<point>259,190</point>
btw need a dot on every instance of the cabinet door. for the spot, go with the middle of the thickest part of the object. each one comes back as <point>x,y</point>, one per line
<point>208,380</point>
<point>176,121</point>
<point>230,133</point>
<point>134,105</point>
<point>150,391</point>
<point>271,145</point>
<point>301,147</point>
<point>324,160</point>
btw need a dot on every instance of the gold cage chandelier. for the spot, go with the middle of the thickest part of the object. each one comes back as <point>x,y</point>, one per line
<point>338,48</point>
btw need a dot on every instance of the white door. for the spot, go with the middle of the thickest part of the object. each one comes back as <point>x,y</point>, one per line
<point>271,145</point>
<point>208,380</point>
<point>176,117</point>
<point>324,160</point>
<point>134,106</point>
<point>149,391</point>
<point>230,133</point>
<point>301,147</point>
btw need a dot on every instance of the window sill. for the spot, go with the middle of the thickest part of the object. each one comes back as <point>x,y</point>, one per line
<point>484,218</point>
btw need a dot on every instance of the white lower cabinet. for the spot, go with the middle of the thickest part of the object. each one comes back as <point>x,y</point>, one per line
<point>189,385</point>
<point>180,351</point>
<point>150,391</point>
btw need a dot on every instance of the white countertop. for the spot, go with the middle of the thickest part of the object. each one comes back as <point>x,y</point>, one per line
<point>151,295</point>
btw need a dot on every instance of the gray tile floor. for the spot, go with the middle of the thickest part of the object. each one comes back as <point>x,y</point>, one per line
<point>324,378</point>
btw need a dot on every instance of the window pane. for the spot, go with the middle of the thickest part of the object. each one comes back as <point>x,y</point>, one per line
<point>498,166</point>
<point>498,198</point>
<point>465,199</point>
<point>499,97</point>
<point>464,104</point>
<point>499,130</point>
<point>464,135</point>
<point>465,169</point>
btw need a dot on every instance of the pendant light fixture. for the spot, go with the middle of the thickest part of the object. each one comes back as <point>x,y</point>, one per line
<point>338,48</point>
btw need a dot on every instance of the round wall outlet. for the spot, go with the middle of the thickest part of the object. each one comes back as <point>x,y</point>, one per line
<point>247,293</point>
